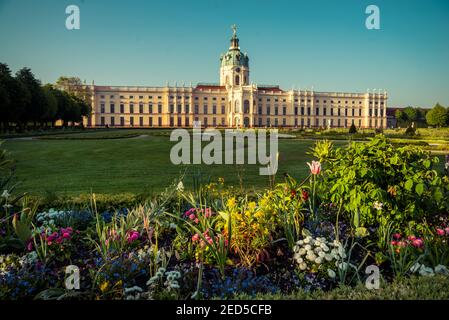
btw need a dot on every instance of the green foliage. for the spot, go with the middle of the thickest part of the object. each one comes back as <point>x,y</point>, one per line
<point>411,114</point>
<point>24,101</point>
<point>438,116</point>
<point>413,288</point>
<point>22,221</point>
<point>352,129</point>
<point>286,202</point>
<point>410,131</point>
<point>401,181</point>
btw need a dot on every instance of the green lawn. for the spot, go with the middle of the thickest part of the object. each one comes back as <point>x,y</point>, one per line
<point>80,163</point>
<point>72,166</point>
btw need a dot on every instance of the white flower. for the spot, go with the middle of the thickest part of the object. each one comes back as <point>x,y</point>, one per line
<point>311,257</point>
<point>302,251</point>
<point>180,186</point>
<point>415,267</point>
<point>308,247</point>
<point>343,266</point>
<point>5,194</point>
<point>341,252</point>
<point>328,257</point>
<point>318,260</point>
<point>321,254</point>
<point>331,273</point>
<point>426,271</point>
<point>307,240</point>
<point>302,266</point>
<point>440,269</point>
<point>317,243</point>
<point>300,242</point>
<point>378,205</point>
<point>324,247</point>
<point>299,260</point>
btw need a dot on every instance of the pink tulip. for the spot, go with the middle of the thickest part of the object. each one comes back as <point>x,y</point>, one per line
<point>66,235</point>
<point>411,238</point>
<point>418,243</point>
<point>195,237</point>
<point>133,236</point>
<point>446,230</point>
<point>397,236</point>
<point>315,167</point>
<point>401,244</point>
<point>394,243</point>
<point>440,232</point>
<point>192,217</point>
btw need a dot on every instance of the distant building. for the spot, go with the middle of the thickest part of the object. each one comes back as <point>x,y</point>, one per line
<point>234,102</point>
<point>392,122</point>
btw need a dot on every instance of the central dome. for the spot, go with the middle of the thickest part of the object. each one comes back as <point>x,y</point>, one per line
<point>234,57</point>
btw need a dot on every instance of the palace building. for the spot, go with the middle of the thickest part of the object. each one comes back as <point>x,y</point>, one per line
<point>234,102</point>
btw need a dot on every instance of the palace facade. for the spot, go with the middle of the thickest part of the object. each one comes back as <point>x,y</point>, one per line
<point>234,102</point>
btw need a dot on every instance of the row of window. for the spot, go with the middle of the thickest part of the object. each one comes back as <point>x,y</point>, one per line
<point>260,99</point>
<point>302,110</point>
<point>171,109</point>
<point>318,101</point>
<point>339,112</point>
<point>318,122</point>
<point>160,97</point>
<point>150,121</point>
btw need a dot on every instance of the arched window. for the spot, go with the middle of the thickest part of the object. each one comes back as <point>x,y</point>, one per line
<point>244,80</point>
<point>227,80</point>
<point>237,80</point>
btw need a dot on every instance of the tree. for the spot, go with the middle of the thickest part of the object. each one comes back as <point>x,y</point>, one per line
<point>353,129</point>
<point>51,104</point>
<point>438,116</point>
<point>399,115</point>
<point>5,100</point>
<point>410,114</point>
<point>74,86</point>
<point>36,107</point>
<point>13,98</point>
<point>64,104</point>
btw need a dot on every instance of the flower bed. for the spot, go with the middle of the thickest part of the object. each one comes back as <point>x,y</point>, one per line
<point>364,207</point>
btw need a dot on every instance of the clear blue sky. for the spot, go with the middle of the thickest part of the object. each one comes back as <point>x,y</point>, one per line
<point>323,44</point>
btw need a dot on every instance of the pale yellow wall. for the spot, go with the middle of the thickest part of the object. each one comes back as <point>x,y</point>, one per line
<point>190,97</point>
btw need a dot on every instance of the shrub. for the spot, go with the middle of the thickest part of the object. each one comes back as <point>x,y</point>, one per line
<point>352,129</point>
<point>251,230</point>
<point>285,203</point>
<point>410,131</point>
<point>375,182</point>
